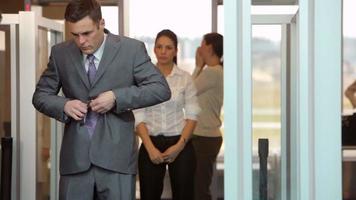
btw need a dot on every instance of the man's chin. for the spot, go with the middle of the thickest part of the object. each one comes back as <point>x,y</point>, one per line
<point>86,51</point>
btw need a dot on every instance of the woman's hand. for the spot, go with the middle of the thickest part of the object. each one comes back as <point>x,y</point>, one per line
<point>350,93</point>
<point>199,61</point>
<point>173,151</point>
<point>155,155</point>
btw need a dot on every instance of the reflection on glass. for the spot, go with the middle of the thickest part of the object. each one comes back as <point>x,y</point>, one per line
<point>266,77</point>
<point>43,126</point>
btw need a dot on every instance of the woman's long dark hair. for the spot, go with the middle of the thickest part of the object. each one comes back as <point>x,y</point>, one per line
<point>171,35</point>
<point>217,42</point>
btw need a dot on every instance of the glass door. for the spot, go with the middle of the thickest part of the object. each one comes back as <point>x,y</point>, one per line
<point>348,95</point>
<point>270,100</point>
<point>48,133</point>
<point>25,43</point>
<point>5,81</point>
<point>266,106</point>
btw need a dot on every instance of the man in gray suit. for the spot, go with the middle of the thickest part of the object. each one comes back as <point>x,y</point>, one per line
<point>103,78</point>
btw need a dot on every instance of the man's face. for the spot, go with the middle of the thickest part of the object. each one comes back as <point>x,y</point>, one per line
<point>88,35</point>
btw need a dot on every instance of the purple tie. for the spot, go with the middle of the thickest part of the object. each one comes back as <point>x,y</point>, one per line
<point>92,117</point>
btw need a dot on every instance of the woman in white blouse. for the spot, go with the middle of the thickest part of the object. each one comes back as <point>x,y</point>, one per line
<point>166,128</point>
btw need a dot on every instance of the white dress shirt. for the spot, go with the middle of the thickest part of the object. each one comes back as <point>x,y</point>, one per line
<point>97,56</point>
<point>168,118</point>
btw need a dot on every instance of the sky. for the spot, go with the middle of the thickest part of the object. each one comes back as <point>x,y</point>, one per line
<point>270,32</point>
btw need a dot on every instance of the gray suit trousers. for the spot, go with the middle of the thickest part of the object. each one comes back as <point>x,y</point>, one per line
<point>97,184</point>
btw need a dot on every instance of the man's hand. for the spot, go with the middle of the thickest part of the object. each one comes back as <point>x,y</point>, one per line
<point>75,109</point>
<point>103,103</point>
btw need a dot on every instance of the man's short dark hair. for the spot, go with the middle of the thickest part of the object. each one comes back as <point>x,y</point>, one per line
<point>78,9</point>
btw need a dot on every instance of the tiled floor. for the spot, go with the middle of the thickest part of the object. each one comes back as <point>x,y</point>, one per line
<point>217,187</point>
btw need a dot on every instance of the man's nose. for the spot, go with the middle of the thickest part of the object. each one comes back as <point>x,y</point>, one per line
<point>81,39</point>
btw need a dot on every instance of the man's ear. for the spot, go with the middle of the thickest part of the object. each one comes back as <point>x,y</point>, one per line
<point>102,22</point>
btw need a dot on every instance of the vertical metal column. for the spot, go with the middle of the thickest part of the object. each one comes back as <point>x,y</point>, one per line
<point>237,100</point>
<point>123,6</point>
<point>315,107</point>
<point>28,34</point>
<point>286,41</point>
<point>325,71</point>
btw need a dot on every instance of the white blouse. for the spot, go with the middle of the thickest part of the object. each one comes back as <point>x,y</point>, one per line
<point>168,118</point>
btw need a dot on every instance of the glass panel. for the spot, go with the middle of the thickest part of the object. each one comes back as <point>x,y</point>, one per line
<point>5,81</point>
<point>111,17</point>
<point>266,75</point>
<point>43,125</point>
<point>5,84</point>
<point>221,19</point>
<point>147,18</point>
<point>349,77</point>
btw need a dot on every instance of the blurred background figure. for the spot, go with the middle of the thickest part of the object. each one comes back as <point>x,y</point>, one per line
<point>350,94</point>
<point>166,129</point>
<point>349,139</point>
<point>208,78</point>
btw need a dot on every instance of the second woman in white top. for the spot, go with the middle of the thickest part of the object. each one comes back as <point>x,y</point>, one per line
<point>166,128</point>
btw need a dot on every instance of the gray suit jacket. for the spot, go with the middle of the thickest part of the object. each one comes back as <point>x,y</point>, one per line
<point>126,69</point>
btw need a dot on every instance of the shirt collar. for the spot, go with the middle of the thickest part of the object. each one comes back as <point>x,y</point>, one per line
<point>99,52</point>
<point>175,71</point>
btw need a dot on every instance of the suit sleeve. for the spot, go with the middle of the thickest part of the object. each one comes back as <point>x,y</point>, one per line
<point>45,98</point>
<point>150,86</point>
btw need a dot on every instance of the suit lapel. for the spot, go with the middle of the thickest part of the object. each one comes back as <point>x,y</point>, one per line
<point>110,51</point>
<point>77,59</point>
